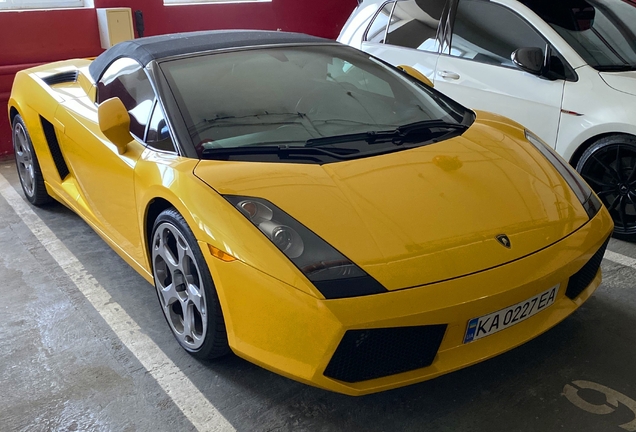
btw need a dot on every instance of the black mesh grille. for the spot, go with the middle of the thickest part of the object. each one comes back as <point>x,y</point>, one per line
<point>60,78</point>
<point>375,353</point>
<point>584,277</point>
<point>54,147</point>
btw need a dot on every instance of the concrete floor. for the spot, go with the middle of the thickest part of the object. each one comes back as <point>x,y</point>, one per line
<point>64,368</point>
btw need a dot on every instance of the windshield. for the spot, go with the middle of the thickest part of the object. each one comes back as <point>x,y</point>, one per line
<point>603,32</point>
<point>293,95</point>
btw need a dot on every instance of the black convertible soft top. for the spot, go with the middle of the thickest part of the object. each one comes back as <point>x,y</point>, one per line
<point>146,49</point>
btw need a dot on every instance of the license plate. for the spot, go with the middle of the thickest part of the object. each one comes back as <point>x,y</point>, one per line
<point>488,324</point>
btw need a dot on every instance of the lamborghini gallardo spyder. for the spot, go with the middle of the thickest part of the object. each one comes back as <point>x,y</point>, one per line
<point>309,207</point>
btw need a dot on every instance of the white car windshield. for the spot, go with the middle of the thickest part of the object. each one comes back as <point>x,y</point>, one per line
<point>603,32</point>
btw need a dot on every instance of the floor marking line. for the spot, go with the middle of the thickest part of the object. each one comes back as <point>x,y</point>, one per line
<point>620,259</point>
<point>187,397</point>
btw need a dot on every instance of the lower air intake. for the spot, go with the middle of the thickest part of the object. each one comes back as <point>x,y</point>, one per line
<point>374,353</point>
<point>584,277</point>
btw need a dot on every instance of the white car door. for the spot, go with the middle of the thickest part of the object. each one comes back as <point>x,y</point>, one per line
<point>405,33</point>
<point>479,73</point>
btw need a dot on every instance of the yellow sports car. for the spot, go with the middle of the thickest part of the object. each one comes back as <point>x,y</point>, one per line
<point>309,207</point>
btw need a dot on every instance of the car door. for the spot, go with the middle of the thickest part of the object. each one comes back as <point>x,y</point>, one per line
<point>407,32</point>
<point>477,69</point>
<point>105,178</point>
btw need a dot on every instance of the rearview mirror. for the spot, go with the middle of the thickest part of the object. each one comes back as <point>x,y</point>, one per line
<point>114,122</point>
<point>416,74</point>
<point>531,60</point>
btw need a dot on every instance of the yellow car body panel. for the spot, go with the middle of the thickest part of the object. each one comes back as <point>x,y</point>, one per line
<point>441,246</point>
<point>295,334</point>
<point>367,211</point>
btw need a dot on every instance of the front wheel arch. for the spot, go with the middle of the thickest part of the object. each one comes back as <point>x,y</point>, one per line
<point>609,166</point>
<point>153,210</point>
<point>214,341</point>
<point>576,156</point>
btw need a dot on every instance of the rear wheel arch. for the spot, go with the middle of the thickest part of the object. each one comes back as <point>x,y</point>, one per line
<point>13,111</point>
<point>27,165</point>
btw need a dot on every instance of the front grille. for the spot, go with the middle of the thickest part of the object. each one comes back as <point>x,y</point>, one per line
<point>54,148</point>
<point>584,277</point>
<point>60,78</point>
<point>374,353</point>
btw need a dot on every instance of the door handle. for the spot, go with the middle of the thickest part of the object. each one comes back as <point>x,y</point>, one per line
<point>449,75</point>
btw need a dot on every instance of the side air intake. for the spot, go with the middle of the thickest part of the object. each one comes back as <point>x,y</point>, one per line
<point>60,78</point>
<point>54,148</point>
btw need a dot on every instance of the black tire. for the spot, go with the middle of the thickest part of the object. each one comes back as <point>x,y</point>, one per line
<point>609,166</point>
<point>194,297</point>
<point>27,165</point>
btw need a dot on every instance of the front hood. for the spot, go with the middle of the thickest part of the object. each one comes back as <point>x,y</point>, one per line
<point>422,215</point>
<point>622,81</point>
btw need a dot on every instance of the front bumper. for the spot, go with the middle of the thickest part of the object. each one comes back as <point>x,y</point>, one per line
<point>289,332</point>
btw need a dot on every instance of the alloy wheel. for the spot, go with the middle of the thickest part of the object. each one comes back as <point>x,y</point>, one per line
<point>179,286</point>
<point>24,158</point>
<point>611,171</point>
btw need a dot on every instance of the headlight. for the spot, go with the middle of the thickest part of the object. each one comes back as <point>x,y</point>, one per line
<point>333,274</point>
<point>583,192</point>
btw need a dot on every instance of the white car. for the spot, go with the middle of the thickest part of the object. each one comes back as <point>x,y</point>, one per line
<point>566,69</point>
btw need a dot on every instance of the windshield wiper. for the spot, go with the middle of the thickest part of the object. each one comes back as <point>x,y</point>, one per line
<point>283,151</point>
<point>273,118</point>
<point>409,133</point>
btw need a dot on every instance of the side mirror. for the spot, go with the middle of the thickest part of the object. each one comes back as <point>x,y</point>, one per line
<point>531,60</point>
<point>114,122</point>
<point>416,74</point>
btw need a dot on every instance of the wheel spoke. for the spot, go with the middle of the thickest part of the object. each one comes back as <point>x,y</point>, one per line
<point>19,155</point>
<point>632,175</point>
<point>28,179</point>
<point>194,295</point>
<point>621,212</point>
<point>182,252</point>
<point>607,169</point>
<point>619,164</point>
<point>614,204</point>
<point>169,295</point>
<point>167,253</point>
<point>605,192</point>
<point>597,182</point>
<point>164,252</point>
<point>188,322</point>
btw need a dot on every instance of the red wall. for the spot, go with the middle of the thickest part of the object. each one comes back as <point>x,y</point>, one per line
<point>32,37</point>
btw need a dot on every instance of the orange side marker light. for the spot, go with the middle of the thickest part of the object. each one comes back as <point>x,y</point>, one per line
<point>219,254</point>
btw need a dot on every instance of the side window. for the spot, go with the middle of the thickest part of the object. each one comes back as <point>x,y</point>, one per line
<point>126,79</point>
<point>414,24</point>
<point>158,133</point>
<point>377,29</point>
<point>489,33</point>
